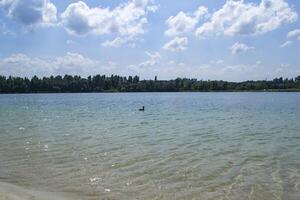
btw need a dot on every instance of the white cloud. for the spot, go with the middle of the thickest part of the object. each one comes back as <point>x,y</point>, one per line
<point>128,19</point>
<point>153,60</point>
<point>225,71</point>
<point>287,43</point>
<point>177,44</point>
<point>117,42</point>
<point>200,13</point>
<point>234,68</point>
<point>74,63</point>
<point>294,33</point>
<point>237,17</point>
<point>77,64</point>
<point>23,65</point>
<point>181,24</point>
<point>285,70</point>
<point>240,47</point>
<point>184,22</point>
<point>173,69</point>
<point>215,70</point>
<point>153,8</point>
<point>70,63</point>
<point>31,12</point>
<point>216,62</point>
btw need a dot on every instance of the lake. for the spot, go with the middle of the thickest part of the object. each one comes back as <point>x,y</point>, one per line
<point>183,146</point>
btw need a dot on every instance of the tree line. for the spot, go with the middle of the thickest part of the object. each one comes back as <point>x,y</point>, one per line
<point>114,83</point>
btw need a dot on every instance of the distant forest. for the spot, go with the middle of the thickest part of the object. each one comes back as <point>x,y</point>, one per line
<point>114,83</point>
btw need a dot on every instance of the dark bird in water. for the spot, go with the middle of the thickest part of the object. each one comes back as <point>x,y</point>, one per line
<point>142,109</point>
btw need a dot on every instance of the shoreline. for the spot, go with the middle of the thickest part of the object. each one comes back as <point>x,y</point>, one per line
<point>10,191</point>
<point>204,91</point>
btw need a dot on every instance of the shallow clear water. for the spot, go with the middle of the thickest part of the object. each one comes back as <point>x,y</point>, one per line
<point>184,146</point>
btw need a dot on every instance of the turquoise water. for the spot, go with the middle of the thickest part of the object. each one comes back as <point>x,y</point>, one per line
<point>184,146</point>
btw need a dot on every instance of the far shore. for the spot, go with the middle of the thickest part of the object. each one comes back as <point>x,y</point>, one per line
<point>115,83</point>
<point>204,91</point>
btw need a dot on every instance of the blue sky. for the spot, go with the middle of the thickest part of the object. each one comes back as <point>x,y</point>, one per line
<point>206,39</point>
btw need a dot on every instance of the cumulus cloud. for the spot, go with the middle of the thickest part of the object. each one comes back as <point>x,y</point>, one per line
<point>30,12</point>
<point>153,60</point>
<point>74,63</point>
<point>222,71</point>
<point>216,62</point>
<point>240,47</point>
<point>238,17</point>
<point>78,64</point>
<point>128,19</point>
<point>172,69</point>
<point>177,44</point>
<point>23,65</point>
<point>294,33</point>
<point>285,70</point>
<point>117,42</point>
<point>184,22</point>
<point>70,63</point>
<point>153,7</point>
<point>287,43</point>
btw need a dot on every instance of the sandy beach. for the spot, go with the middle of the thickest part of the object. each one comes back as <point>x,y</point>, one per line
<point>12,192</point>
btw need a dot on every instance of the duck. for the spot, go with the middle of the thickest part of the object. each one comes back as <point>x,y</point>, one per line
<point>142,109</point>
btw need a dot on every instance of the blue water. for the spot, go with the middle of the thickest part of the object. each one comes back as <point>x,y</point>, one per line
<point>184,146</point>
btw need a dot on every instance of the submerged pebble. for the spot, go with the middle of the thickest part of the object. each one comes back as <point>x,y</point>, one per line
<point>95,179</point>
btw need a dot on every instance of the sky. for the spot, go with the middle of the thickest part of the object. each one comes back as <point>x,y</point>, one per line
<point>233,40</point>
